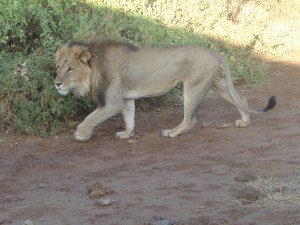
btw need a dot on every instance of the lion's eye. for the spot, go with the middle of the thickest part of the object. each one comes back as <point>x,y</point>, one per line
<point>57,67</point>
<point>69,70</point>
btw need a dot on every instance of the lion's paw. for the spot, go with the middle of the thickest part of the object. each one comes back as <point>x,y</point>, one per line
<point>168,133</point>
<point>242,123</point>
<point>124,134</point>
<point>82,134</point>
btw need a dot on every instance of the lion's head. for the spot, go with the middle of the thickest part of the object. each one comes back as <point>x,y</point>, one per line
<point>73,71</point>
<point>83,67</point>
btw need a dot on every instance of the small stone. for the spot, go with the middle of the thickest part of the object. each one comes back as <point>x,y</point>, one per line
<point>27,222</point>
<point>162,221</point>
<point>104,202</point>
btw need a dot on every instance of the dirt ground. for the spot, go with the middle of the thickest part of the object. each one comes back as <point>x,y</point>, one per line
<point>211,175</point>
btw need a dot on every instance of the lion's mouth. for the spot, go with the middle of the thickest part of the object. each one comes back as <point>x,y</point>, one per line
<point>60,91</point>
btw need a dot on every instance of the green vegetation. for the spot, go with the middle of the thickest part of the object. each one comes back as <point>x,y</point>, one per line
<point>27,88</point>
<point>31,31</point>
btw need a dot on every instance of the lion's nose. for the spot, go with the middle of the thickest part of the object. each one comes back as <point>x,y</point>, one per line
<point>58,84</point>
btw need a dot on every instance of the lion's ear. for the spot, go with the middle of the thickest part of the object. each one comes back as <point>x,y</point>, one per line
<point>85,57</point>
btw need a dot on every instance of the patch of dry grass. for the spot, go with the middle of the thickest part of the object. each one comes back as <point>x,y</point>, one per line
<point>268,191</point>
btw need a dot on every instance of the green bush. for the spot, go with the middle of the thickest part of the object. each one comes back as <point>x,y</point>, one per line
<point>28,24</point>
<point>31,31</point>
<point>27,86</point>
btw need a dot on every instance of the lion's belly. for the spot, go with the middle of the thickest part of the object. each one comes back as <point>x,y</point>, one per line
<point>144,93</point>
<point>150,91</point>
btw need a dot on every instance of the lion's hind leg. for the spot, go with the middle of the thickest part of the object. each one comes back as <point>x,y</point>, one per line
<point>192,99</point>
<point>128,113</point>
<point>221,87</point>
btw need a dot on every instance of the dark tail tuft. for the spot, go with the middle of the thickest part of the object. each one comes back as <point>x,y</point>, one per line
<point>271,104</point>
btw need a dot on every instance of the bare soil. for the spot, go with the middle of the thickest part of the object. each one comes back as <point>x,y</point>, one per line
<point>206,176</point>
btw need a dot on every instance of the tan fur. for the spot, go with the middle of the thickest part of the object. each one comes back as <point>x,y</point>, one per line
<point>114,74</point>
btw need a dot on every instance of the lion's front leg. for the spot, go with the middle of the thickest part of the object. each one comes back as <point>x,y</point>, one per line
<point>85,129</point>
<point>128,112</point>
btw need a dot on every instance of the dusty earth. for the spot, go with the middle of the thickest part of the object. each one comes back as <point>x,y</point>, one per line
<point>211,175</point>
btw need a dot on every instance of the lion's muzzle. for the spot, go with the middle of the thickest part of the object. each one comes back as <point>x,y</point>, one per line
<point>59,90</point>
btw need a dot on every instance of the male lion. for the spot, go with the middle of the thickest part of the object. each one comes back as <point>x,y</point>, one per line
<point>113,74</point>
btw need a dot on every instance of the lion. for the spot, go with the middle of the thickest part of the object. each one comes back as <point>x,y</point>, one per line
<point>113,74</point>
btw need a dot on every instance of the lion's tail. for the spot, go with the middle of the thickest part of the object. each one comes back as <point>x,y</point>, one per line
<point>235,96</point>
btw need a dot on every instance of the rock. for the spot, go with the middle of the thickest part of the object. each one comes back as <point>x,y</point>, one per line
<point>104,202</point>
<point>27,222</point>
<point>158,220</point>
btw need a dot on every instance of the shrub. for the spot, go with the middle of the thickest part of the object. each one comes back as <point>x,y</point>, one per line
<point>33,104</point>
<point>29,24</point>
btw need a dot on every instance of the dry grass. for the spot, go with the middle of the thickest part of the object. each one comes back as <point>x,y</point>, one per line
<point>268,191</point>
